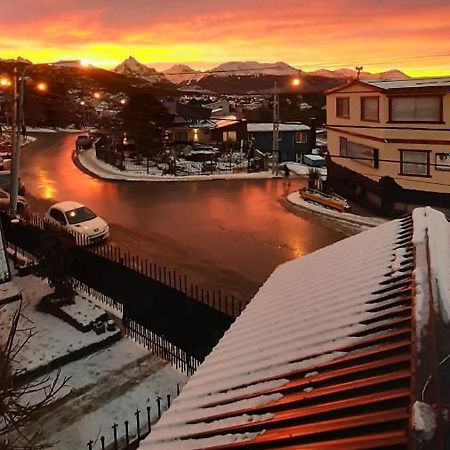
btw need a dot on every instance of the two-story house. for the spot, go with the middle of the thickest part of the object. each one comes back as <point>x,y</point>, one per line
<point>389,142</point>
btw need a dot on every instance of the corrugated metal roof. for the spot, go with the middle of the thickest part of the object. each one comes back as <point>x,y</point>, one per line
<point>320,357</point>
<point>427,82</point>
<point>325,354</point>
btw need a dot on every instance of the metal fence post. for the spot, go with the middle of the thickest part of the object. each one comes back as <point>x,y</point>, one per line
<point>114,427</point>
<point>168,401</point>
<point>158,401</point>
<point>90,444</point>
<point>149,421</point>
<point>102,440</point>
<point>127,436</point>
<point>138,425</point>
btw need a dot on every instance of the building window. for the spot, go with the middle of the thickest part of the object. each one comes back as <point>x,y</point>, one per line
<point>229,136</point>
<point>363,154</point>
<point>416,109</point>
<point>370,108</point>
<point>442,161</point>
<point>343,107</point>
<point>415,162</point>
<point>301,137</point>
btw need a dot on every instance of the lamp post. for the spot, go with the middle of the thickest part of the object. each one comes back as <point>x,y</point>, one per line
<point>276,128</point>
<point>17,122</point>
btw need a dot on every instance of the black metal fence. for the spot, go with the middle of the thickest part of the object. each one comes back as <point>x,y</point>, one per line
<point>161,347</point>
<point>128,436</point>
<point>159,299</point>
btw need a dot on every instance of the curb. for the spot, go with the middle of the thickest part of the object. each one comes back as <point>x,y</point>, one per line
<point>346,220</point>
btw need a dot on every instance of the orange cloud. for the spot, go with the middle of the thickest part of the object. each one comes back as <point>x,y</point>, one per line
<point>406,34</point>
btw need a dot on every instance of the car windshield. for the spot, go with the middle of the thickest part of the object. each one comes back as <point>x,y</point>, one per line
<point>79,215</point>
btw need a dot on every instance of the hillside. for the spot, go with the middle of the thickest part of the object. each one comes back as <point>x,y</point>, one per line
<point>180,73</point>
<point>264,84</point>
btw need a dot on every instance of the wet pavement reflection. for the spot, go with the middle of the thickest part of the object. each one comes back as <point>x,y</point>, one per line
<point>223,234</point>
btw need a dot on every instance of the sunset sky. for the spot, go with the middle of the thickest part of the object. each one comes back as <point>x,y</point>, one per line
<point>412,35</point>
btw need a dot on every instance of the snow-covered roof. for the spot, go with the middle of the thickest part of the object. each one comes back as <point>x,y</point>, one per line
<point>427,82</point>
<point>67,206</point>
<point>323,352</point>
<point>265,127</point>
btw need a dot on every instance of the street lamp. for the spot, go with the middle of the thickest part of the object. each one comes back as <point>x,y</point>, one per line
<point>5,82</point>
<point>17,121</point>
<point>97,95</point>
<point>42,87</point>
<point>295,82</point>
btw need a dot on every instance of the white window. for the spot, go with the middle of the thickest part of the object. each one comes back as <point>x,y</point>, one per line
<point>416,109</point>
<point>369,108</point>
<point>301,137</point>
<point>442,161</point>
<point>415,162</point>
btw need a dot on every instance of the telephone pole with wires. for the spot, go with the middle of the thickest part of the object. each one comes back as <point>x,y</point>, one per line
<point>276,128</point>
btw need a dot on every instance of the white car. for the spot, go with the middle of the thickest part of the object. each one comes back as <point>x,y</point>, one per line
<point>5,200</point>
<point>78,219</point>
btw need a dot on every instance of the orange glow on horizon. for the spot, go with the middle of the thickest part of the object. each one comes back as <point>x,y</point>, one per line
<point>326,34</point>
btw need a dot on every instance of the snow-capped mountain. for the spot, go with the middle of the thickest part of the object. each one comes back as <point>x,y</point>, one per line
<point>19,59</point>
<point>349,73</point>
<point>131,67</point>
<point>180,73</point>
<point>246,68</point>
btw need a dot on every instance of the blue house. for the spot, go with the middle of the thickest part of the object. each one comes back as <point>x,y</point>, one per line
<point>294,139</point>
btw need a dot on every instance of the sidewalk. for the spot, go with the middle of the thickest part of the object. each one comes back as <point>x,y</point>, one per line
<point>348,218</point>
<point>88,161</point>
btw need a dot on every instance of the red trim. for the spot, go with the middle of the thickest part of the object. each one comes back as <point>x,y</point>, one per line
<point>392,140</point>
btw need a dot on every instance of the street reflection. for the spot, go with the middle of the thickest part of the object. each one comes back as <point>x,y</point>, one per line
<point>229,234</point>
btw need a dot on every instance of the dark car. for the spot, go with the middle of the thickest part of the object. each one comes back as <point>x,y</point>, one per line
<point>83,143</point>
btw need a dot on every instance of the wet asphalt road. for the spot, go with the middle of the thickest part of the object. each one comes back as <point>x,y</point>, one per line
<point>222,234</point>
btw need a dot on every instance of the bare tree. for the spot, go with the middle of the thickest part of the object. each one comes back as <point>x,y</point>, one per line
<point>17,411</point>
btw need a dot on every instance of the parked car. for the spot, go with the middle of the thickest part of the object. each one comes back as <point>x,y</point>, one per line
<point>83,142</point>
<point>5,200</point>
<point>78,220</point>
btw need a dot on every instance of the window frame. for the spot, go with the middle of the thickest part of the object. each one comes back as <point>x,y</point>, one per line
<point>302,133</point>
<point>441,108</point>
<point>365,97</point>
<point>436,164</point>
<point>402,161</point>
<point>364,161</point>
<point>347,98</point>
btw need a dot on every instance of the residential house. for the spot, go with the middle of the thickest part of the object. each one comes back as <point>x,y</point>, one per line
<point>294,139</point>
<point>345,348</point>
<point>190,124</point>
<point>231,130</point>
<point>389,142</point>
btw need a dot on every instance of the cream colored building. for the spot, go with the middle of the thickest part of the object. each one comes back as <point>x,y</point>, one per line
<point>389,142</point>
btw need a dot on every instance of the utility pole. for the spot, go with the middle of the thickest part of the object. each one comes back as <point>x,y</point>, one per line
<point>17,120</point>
<point>276,128</point>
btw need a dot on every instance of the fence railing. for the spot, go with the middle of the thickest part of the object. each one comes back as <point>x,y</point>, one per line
<point>128,436</point>
<point>161,347</point>
<point>214,298</point>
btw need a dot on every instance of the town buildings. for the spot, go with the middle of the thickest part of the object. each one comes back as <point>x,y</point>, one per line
<point>389,142</point>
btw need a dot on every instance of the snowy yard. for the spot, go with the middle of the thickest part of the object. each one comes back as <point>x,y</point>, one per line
<point>53,338</point>
<point>88,161</point>
<point>109,386</point>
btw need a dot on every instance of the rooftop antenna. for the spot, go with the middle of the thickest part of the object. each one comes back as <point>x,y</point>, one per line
<point>358,71</point>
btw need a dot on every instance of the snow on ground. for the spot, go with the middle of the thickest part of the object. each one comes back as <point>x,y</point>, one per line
<point>367,222</point>
<point>83,311</point>
<point>303,169</point>
<point>53,338</point>
<point>109,386</point>
<point>88,160</point>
